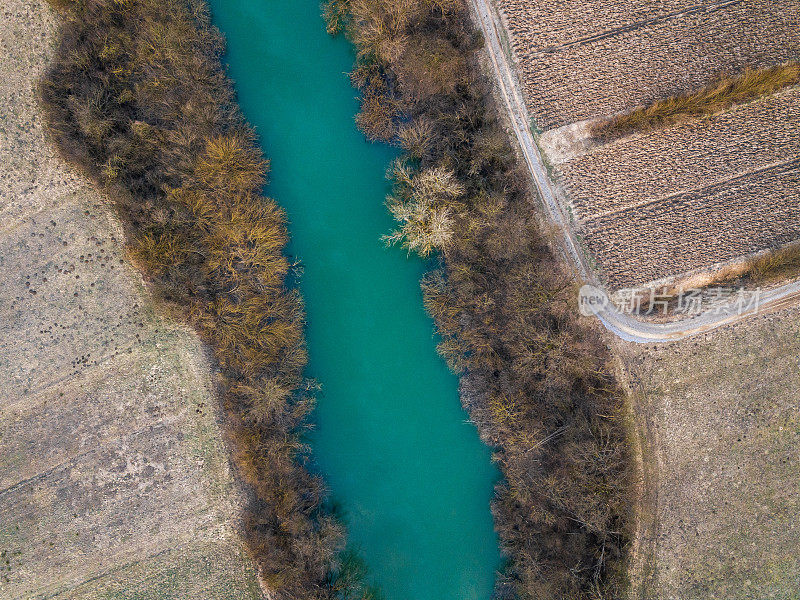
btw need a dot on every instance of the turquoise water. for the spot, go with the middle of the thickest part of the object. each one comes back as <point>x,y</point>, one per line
<point>391,438</point>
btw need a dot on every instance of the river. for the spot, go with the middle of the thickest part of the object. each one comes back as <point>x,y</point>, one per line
<point>391,439</point>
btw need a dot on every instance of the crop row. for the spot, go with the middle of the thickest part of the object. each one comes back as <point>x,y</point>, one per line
<point>542,28</point>
<point>698,153</point>
<point>629,65</point>
<point>698,228</point>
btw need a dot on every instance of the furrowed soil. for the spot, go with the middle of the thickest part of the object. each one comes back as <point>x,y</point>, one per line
<point>682,198</point>
<point>720,420</point>
<point>695,194</point>
<point>114,476</point>
<point>651,166</point>
<point>583,60</point>
<point>695,229</point>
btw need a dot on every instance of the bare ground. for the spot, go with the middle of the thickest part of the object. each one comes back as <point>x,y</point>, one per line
<point>581,60</point>
<point>114,475</point>
<point>720,419</point>
<point>685,198</point>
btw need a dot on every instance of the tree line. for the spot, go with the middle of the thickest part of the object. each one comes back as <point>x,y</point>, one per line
<point>136,97</point>
<point>536,378</point>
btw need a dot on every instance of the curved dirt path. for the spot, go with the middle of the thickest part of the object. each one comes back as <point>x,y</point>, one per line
<point>620,324</point>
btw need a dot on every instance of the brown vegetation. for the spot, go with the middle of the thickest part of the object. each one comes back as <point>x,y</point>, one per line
<point>766,268</point>
<point>774,266</point>
<point>722,93</point>
<point>536,379</point>
<point>138,99</point>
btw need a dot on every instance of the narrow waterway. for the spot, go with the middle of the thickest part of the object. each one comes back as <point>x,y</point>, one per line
<point>391,438</point>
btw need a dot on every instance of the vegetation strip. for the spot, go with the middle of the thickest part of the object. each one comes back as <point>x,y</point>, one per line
<point>138,99</point>
<point>723,93</point>
<point>776,265</point>
<point>535,379</point>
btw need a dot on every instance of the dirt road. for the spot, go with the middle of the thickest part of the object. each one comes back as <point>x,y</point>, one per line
<point>622,325</point>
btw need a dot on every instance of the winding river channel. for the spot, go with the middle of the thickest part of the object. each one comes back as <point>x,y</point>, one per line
<point>391,438</point>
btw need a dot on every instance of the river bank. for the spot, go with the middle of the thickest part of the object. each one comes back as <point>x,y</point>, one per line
<point>137,98</point>
<point>391,440</point>
<point>156,124</point>
<point>153,121</point>
<point>536,378</point>
<point>114,474</point>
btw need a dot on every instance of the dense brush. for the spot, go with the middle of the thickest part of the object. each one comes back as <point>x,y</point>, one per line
<point>536,379</point>
<point>137,97</point>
